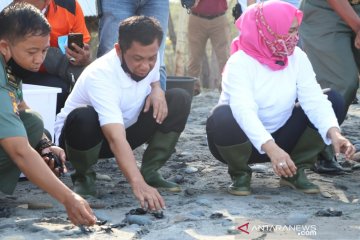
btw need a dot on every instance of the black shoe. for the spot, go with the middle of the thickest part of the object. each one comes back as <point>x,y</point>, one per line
<point>328,166</point>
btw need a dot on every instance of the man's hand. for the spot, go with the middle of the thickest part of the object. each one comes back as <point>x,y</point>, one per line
<point>196,3</point>
<point>60,153</point>
<point>148,196</point>
<point>280,160</point>
<point>157,100</point>
<point>357,40</point>
<point>78,210</point>
<point>340,143</point>
<point>79,57</point>
<point>30,163</point>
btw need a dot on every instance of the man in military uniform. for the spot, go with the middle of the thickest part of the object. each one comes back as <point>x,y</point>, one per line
<point>23,47</point>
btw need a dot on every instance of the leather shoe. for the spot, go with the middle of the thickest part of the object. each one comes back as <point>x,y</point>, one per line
<point>328,166</point>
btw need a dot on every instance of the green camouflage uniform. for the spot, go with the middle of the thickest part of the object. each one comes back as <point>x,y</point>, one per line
<point>14,123</point>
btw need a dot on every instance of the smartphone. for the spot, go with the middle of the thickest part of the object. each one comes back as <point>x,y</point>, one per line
<point>76,38</point>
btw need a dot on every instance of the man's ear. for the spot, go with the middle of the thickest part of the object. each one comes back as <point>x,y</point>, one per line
<point>118,49</point>
<point>4,49</point>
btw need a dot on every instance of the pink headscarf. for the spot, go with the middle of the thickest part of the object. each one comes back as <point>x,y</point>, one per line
<point>256,32</point>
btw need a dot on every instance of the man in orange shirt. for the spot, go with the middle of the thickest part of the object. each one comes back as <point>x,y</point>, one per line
<point>61,70</point>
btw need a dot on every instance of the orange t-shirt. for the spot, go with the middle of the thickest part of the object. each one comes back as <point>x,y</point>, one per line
<point>66,16</point>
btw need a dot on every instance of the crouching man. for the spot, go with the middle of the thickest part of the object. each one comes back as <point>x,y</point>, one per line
<point>24,40</point>
<point>117,105</point>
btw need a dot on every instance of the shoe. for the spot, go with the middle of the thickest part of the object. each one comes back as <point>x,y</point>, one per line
<point>159,150</point>
<point>237,157</point>
<point>328,166</point>
<point>84,184</point>
<point>240,185</point>
<point>300,182</point>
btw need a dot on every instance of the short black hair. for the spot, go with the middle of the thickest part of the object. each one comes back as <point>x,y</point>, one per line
<point>20,20</point>
<point>140,29</point>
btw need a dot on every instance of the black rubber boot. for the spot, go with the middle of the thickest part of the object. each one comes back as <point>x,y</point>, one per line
<point>327,163</point>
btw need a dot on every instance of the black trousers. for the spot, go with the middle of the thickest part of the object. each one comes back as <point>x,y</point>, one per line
<point>82,129</point>
<point>223,130</point>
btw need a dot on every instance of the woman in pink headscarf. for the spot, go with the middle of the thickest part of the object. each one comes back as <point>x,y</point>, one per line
<point>271,107</point>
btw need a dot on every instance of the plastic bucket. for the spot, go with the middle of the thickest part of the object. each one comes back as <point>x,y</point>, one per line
<point>186,83</point>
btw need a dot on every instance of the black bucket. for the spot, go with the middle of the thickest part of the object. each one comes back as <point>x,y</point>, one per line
<point>186,83</point>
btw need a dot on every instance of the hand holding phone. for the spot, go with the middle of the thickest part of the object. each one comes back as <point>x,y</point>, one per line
<point>76,38</point>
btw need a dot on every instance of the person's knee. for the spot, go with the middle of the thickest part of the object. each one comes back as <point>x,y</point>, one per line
<point>222,116</point>
<point>179,101</point>
<point>33,124</point>
<point>82,121</point>
<point>338,105</point>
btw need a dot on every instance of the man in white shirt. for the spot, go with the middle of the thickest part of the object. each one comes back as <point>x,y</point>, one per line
<point>117,105</point>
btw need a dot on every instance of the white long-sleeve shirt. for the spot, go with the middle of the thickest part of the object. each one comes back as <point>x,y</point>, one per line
<point>262,100</point>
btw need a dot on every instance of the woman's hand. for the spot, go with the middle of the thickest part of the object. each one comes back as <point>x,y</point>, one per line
<point>340,143</point>
<point>281,162</point>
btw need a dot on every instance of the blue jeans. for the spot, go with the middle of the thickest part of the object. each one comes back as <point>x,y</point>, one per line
<point>296,3</point>
<point>114,11</point>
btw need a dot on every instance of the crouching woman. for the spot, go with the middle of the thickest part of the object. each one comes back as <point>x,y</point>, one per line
<point>271,108</point>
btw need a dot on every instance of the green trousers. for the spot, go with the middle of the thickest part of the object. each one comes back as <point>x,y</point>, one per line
<point>9,172</point>
<point>329,43</point>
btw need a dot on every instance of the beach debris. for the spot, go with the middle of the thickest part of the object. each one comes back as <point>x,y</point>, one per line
<point>5,212</point>
<point>181,218</point>
<point>184,154</point>
<point>325,194</point>
<point>233,231</point>
<point>137,211</point>
<point>39,205</point>
<point>191,169</point>
<point>263,197</point>
<point>103,177</point>
<point>216,215</point>
<point>259,168</point>
<point>179,179</point>
<point>85,229</point>
<point>138,219</point>
<point>356,166</point>
<point>97,205</point>
<point>158,214</point>
<point>330,212</point>
<point>190,191</point>
<point>107,229</point>
<point>262,237</point>
<point>141,216</point>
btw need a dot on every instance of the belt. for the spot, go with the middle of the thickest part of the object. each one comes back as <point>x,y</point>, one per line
<point>209,17</point>
<point>354,2</point>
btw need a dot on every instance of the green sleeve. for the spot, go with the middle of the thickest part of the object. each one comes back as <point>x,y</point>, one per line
<point>10,122</point>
